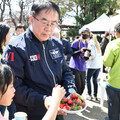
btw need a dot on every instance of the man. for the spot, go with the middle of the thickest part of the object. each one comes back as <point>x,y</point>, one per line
<point>56,33</point>
<point>38,62</point>
<point>67,49</point>
<point>66,45</point>
<point>19,29</point>
<point>112,59</point>
<point>77,62</point>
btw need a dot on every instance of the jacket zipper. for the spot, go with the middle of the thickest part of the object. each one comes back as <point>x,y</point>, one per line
<point>48,65</point>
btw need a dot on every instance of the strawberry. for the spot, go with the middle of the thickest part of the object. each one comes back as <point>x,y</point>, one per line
<point>83,104</point>
<point>61,106</point>
<point>66,107</point>
<point>65,99</point>
<point>70,101</point>
<point>56,85</point>
<point>72,108</point>
<point>78,101</point>
<point>74,96</point>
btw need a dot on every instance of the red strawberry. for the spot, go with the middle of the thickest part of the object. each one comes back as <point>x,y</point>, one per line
<point>56,85</point>
<point>66,107</point>
<point>61,106</point>
<point>70,102</point>
<point>72,108</point>
<point>74,96</point>
<point>83,104</point>
<point>65,99</point>
<point>78,101</point>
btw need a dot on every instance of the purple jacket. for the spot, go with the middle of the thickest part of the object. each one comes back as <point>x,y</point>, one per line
<point>77,62</point>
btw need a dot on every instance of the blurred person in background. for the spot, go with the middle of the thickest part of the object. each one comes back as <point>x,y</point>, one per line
<point>112,59</point>
<point>77,62</point>
<point>94,64</point>
<point>20,28</point>
<point>104,43</point>
<point>66,45</point>
<point>66,48</point>
<point>56,33</point>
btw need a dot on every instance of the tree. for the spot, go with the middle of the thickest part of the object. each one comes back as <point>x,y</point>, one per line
<point>2,9</point>
<point>22,14</point>
<point>91,10</point>
<point>65,6</point>
<point>10,12</point>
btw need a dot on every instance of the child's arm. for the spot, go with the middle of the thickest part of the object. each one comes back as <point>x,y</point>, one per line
<point>57,94</point>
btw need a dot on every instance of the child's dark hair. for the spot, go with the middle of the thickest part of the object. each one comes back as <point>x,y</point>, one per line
<point>19,25</point>
<point>4,29</point>
<point>6,77</point>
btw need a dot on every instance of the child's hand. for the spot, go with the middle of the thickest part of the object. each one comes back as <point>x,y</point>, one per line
<point>58,93</point>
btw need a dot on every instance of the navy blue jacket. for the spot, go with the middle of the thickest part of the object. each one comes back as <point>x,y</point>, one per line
<point>67,49</point>
<point>37,67</point>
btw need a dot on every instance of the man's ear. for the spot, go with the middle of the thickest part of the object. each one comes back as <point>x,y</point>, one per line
<point>31,19</point>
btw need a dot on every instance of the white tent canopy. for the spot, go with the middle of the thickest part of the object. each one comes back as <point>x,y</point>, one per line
<point>103,23</point>
<point>110,24</point>
<point>97,25</point>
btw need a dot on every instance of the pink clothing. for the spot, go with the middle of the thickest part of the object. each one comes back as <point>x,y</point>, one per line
<point>2,118</point>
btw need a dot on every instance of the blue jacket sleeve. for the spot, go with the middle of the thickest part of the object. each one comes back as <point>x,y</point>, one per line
<point>67,79</point>
<point>15,57</point>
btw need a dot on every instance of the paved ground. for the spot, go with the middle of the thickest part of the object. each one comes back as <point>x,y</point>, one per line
<point>93,111</point>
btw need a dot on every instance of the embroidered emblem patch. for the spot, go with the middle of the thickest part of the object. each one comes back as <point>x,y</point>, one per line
<point>55,53</point>
<point>9,55</point>
<point>34,57</point>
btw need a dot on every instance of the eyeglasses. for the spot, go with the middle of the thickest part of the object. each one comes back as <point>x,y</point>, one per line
<point>20,31</point>
<point>45,24</point>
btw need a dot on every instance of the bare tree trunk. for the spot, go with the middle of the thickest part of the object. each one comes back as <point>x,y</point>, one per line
<point>21,4</point>
<point>10,12</point>
<point>95,12</point>
<point>76,14</point>
<point>2,8</point>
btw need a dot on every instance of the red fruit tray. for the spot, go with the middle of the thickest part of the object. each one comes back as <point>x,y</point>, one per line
<point>75,111</point>
<point>73,104</point>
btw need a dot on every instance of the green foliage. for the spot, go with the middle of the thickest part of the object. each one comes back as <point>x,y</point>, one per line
<point>73,32</point>
<point>85,11</point>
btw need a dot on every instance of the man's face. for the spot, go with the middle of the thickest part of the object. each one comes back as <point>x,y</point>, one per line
<point>44,23</point>
<point>19,31</point>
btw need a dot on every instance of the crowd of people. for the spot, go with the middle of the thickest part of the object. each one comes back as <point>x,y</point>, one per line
<point>35,60</point>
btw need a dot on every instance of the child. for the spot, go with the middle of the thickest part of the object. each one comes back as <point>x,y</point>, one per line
<point>7,92</point>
